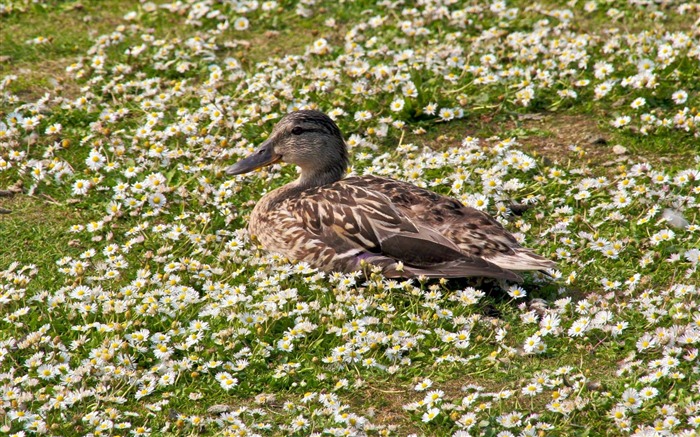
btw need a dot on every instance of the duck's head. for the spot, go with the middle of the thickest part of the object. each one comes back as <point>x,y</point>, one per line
<point>309,139</point>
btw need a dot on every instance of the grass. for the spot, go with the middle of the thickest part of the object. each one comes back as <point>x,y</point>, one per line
<point>124,316</point>
<point>30,233</point>
<point>67,28</point>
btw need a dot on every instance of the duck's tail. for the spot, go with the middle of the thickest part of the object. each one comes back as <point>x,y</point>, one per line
<point>521,260</point>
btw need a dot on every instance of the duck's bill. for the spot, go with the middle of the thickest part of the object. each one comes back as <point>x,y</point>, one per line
<point>260,158</point>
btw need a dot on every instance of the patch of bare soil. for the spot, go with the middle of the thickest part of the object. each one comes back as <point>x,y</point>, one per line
<point>557,138</point>
<point>566,139</point>
<point>553,136</point>
<point>384,403</point>
<point>37,79</point>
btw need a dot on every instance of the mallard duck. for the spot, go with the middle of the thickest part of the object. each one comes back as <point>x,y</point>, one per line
<point>338,223</point>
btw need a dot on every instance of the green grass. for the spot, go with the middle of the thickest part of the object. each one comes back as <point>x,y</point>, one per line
<point>34,232</point>
<point>67,26</point>
<point>163,270</point>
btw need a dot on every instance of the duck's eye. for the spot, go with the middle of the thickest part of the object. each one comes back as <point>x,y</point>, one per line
<point>297,130</point>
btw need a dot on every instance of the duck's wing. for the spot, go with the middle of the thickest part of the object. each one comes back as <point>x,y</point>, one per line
<point>474,232</point>
<point>360,224</point>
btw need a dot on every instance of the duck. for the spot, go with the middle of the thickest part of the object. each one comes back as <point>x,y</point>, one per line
<point>370,223</point>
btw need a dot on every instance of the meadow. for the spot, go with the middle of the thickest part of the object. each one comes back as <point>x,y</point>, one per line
<point>134,303</point>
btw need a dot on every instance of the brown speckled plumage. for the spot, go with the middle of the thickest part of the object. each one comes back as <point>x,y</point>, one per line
<point>338,224</point>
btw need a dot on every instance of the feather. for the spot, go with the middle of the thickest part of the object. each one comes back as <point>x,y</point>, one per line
<point>338,224</point>
<point>454,269</point>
